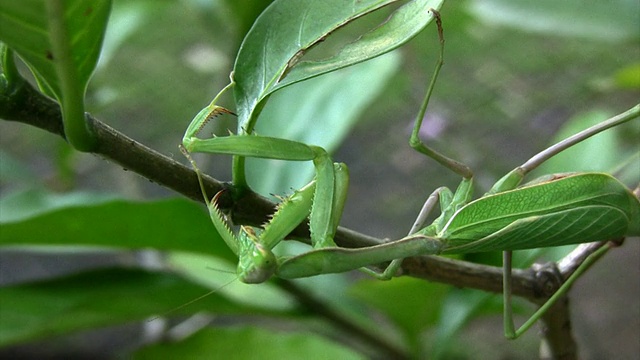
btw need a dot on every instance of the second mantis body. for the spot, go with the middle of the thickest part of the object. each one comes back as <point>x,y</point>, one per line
<point>555,210</point>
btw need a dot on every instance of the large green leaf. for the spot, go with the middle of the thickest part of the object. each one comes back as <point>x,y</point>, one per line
<point>100,298</point>
<point>269,57</point>
<point>60,41</point>
<point>35,218</point>
<point>240,343</point>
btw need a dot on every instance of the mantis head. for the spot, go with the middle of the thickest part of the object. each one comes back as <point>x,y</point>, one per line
<point>256,262</point>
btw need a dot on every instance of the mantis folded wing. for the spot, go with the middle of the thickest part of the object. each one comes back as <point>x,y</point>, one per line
<point>556,210</point>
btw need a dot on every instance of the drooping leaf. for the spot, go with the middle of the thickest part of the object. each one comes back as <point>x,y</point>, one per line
<point>277,41</point>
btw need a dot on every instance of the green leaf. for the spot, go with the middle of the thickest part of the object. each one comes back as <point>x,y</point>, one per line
<point>394,297</point>
<point>458,307</point>
<point>35,218</point>
<point>278,39</point>
<point>99,298</point>
<point>240,343</point>
<point>606,20</point>
<point>332,105</point>
<point>60,42</point>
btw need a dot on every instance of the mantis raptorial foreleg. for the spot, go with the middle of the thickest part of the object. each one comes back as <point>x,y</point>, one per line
<point>328,189</point>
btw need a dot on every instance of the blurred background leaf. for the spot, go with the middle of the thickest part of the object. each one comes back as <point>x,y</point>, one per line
<point>242,343</point>
<point>93,299</point>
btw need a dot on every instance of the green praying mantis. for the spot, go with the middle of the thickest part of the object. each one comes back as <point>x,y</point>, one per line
<point>554,210</point>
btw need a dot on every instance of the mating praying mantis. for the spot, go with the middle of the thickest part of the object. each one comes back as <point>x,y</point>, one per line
<point>555,210</point>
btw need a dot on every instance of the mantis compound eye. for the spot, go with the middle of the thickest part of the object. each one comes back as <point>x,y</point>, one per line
<point>258,267</point>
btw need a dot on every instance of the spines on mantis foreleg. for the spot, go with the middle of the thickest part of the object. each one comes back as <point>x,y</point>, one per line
<point>199,121</point>
<point>256,262</point>
<point>210,111</point>
<point>289,214</point>
<point>217,111</point>
<point>221,224</point>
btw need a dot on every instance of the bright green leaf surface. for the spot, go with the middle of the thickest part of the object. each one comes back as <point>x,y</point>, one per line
<point>592,207</point>
<point>98,298</point>
<point>399,28</point>
<point>249,343</point>
<point>277,41</point>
